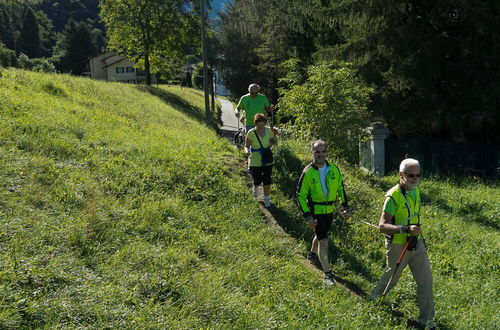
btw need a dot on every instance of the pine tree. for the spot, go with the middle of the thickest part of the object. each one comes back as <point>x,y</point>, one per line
<point>76,47</point>
<point>30,34</point>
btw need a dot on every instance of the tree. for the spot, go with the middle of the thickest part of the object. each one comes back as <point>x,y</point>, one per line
<point>30,34</point>
<point>75,47</point>
<point>7,27</point>
<point>432,61</point>
<point>331,105</point>
<point>240,36</point>
<point>7,56</point>
<point>146,29</point>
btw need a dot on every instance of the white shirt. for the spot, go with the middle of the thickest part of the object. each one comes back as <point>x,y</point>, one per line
<point>323,171</point>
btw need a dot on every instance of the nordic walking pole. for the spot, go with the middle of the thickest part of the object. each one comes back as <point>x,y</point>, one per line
<point>295,244</point>
<point>369,224</point>
<point>238,146</point>
<point>397,265</point>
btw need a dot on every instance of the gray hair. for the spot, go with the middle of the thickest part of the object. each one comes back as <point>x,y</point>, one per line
<point>317,143</point>
<point>253,85</point>
<point>407,163</point>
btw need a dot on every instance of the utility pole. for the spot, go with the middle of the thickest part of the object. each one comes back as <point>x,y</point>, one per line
<point>204,58</point>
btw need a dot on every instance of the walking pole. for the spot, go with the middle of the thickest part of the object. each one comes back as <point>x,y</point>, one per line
<point>369,224</point>
<point>295,244</point>
<point>397,265</point>
<point>238,146</point>
<point>272,116</point>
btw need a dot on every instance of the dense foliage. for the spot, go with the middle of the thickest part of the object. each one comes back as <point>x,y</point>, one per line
<point>332,105</point>
<point>432,61</point>
<point>65,33</point>
<point>150,30</point>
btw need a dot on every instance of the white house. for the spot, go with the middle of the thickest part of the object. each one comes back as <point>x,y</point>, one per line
<point>113,67</point>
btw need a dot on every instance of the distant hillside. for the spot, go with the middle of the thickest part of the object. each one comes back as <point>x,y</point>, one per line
<point>218,5</point>
<point>52,16</point>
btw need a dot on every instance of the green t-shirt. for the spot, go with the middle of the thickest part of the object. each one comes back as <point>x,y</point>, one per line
<point>390,205</point>
<point>253,106</point>
<point>255,157</point>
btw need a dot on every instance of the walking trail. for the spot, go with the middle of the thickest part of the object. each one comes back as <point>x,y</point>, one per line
<point>229,121</point>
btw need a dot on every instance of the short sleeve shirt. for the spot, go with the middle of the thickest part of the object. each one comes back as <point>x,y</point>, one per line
<point>255,157</point>
<point>253,106</point>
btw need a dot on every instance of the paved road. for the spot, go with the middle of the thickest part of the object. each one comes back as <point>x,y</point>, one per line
<point>229,120</point>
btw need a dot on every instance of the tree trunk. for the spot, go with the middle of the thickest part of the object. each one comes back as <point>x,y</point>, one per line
<point>146,67</point>
<point>212,87</point>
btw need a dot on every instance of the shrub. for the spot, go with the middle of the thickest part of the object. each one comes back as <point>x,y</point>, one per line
<point>7,56</point>
<point>36,64</point>
<point>331,105</point>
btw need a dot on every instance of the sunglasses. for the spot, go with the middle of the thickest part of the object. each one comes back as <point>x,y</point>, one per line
<point>411,175</point>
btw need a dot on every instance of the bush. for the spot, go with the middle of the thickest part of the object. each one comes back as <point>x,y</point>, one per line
<point>331,105</point>
<point>197,76</point>
<point>36,64</point>
<point>7,56</point>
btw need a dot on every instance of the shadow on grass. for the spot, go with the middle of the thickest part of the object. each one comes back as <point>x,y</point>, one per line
<point>287,171</point>
<point>474,212</point>
<point>341,232</point>
<point>470,211</point>
<point>178,103</point>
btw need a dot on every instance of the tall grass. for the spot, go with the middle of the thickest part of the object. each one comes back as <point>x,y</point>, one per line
<point>119,208</point>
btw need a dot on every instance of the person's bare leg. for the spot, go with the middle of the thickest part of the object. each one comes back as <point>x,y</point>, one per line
<point>323,254</point>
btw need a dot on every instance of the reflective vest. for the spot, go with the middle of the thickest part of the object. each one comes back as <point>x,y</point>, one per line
<point>407,211</point>
<point>310,196</point>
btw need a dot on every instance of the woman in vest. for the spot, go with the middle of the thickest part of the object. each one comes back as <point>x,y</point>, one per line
<point>400,222</point>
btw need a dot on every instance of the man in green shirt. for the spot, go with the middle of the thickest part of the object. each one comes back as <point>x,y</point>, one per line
<point>400,222</point>
<point>252,103</point>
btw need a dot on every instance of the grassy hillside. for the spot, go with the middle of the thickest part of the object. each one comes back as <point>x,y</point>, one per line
<point>118,208</point>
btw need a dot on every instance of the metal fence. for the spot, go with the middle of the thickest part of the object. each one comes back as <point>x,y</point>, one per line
<point>468,158</point>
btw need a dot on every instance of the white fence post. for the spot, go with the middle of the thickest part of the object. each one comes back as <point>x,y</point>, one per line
<point>372,151</point>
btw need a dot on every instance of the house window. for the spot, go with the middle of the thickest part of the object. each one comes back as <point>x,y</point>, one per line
<point>120,69</point>
<point>130,69</point>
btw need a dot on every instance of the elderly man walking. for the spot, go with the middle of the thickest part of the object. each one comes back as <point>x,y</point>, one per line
<point>400,222</point>
<point>252,103</point>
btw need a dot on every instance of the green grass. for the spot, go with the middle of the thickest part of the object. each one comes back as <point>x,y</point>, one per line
<point>119,208</point>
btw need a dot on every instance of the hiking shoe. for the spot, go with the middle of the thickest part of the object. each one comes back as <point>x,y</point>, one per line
<point>312,256</point>
<point>267,201</point>
<point>314,259</point>
<point>330,278</point>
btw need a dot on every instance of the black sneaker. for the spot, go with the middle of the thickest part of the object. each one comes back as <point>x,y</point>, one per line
<point>330,278</point>
<point>312,256</point>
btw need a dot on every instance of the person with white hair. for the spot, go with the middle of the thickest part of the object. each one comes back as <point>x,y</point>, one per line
<point>252,103</point>
<point>400,222</point>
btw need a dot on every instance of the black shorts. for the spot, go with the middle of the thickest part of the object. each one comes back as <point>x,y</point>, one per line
<point>261,174</point>
<point>323,225</point>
